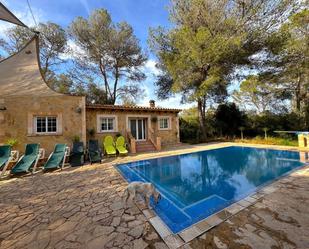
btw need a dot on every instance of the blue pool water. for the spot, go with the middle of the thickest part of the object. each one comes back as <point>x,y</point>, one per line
<point>196,185</point>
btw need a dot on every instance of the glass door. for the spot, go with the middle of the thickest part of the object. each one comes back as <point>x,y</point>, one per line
<point>138,129</point>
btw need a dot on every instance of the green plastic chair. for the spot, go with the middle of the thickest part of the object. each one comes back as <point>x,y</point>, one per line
<point>77,157</point>
<point>57,158</point>
<point>121,146</point>
<point>94,151</point>
<point>28,160</point>
<point>109,146</point>
<point>5,155</point>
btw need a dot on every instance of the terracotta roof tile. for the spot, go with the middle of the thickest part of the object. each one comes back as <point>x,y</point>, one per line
<point>131,108</point>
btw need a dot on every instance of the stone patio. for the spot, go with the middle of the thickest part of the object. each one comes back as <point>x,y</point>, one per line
<point>76,208</point>
<point>82,208</point>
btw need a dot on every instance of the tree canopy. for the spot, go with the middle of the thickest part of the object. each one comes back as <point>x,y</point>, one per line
<point>210,40</point>
<point>111,53</point>
<point>288,62</point>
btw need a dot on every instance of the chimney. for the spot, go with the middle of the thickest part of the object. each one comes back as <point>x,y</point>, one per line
<point>152,103</point>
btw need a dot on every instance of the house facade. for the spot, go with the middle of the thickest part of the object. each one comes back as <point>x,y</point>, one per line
<point>150,127</point>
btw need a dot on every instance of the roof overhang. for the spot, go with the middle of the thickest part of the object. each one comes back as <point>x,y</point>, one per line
<point>131,108</point>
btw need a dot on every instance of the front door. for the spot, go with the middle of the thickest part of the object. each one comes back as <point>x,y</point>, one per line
<point>138,128</point>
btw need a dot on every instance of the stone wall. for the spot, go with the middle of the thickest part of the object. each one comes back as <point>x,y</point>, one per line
<point>170,136</point>
<point>17,120</point>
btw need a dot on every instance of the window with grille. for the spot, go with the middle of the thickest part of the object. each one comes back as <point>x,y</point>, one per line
<point>45,124</point>
<point>107,124</point>
<point>164,123</point>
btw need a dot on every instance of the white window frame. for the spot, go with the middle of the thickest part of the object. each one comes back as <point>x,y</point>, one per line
<point>99,123</point>
<point>46,122</point>
<point>168,123</point>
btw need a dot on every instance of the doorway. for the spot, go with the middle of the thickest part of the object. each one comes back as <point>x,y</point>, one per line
<point>138,128</point>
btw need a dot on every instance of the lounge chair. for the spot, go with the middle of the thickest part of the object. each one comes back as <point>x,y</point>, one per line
<point>77,157</point>
<point>28,160</point>
<point>94,151</point>
<point>109,146</point>
<point>5,157</point>
<point>121,146</point>
<point>57,158</point>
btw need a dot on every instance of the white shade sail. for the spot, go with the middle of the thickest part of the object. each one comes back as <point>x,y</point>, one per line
<point>20,73</point>
<point>8,16</point>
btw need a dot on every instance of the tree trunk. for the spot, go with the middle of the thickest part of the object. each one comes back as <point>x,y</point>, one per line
<point>115,84</point>
<point>298,95</point>
<point>201,106</point>
<point>107,90</point>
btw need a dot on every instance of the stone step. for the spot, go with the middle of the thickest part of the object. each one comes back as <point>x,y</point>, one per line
<point>145,146</point>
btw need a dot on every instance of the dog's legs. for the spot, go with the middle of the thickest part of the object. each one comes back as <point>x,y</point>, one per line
<point>147,198</point>
<point>131,198</point>
<point>125,197</point>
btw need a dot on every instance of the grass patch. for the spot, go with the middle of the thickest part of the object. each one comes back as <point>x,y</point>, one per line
<point>269,140</point>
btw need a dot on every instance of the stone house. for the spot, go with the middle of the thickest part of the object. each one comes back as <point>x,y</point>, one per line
<point>148,127</point>
<point>31,112</point>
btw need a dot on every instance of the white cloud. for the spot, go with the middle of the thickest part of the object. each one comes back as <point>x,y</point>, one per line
<point>172,102</point>
<point>151,69</point>
<point>74,50</point>
<point>26,17</point>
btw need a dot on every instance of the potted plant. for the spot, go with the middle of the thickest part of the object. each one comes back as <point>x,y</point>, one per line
<point>13,142</point>
<point>154,119</point>
<point>75,139</point>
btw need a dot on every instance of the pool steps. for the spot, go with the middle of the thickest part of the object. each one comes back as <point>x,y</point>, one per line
<point>174,241</point>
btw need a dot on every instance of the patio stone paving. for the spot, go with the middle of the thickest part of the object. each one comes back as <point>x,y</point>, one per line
<point>82,208</point>
<point>76,208</point>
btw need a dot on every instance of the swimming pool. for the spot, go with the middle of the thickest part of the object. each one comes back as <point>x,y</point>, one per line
<point>197,185</point>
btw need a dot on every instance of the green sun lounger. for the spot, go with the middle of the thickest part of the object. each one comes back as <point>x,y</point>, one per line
<point>77,157</point>
<point>109,146</point>
<point>28,160</point>
<point>5,156</point>
<point>121,146</point>
<point>94,151</point>
<point>57,158</point>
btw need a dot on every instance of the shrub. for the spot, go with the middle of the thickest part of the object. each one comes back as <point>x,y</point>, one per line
<point>228,119</point>
<point>12,142</point>
<point>75,139</point>
<point>270,141</point>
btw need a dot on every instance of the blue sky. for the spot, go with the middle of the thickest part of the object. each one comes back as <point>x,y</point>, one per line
<point>141,14</point>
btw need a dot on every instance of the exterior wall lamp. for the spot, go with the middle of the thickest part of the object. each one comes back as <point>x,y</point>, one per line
<point>3,108</point>
<point>78,110</point>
